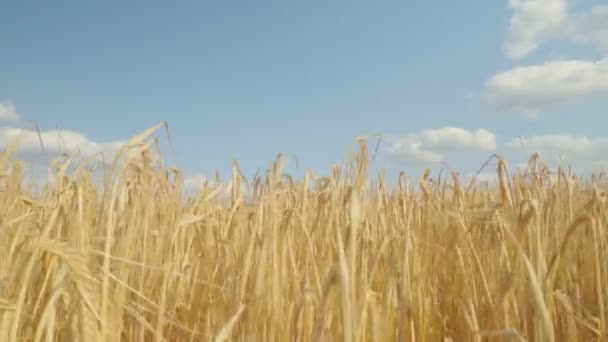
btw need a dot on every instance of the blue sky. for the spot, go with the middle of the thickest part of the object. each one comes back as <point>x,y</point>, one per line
<point>245,80</point>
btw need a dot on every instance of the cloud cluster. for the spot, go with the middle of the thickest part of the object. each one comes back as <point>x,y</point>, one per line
<point>431,145</point>
<point>532,89</point>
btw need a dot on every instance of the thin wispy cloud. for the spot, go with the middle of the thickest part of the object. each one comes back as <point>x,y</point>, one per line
<point>580,150</point>
<point>8,112</point>
<point>588,28</point>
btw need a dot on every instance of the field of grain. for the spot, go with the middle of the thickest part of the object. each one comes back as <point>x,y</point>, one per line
<point>344,257</point>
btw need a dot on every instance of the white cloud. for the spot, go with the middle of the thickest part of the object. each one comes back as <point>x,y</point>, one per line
<point>454,138</point>
<point>55,142</point>
<point>429,146</point>
<point>51,143</point>
<point>8,111</point>
<point>536,21</point>
<point>531,89</point>
<point>532,22</point>
<point>196,183</point>
<point>409,149</point>
<point>534,88</point>
<point>578,150</point>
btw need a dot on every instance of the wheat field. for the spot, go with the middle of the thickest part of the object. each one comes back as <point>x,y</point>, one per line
<point>344,257</point>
